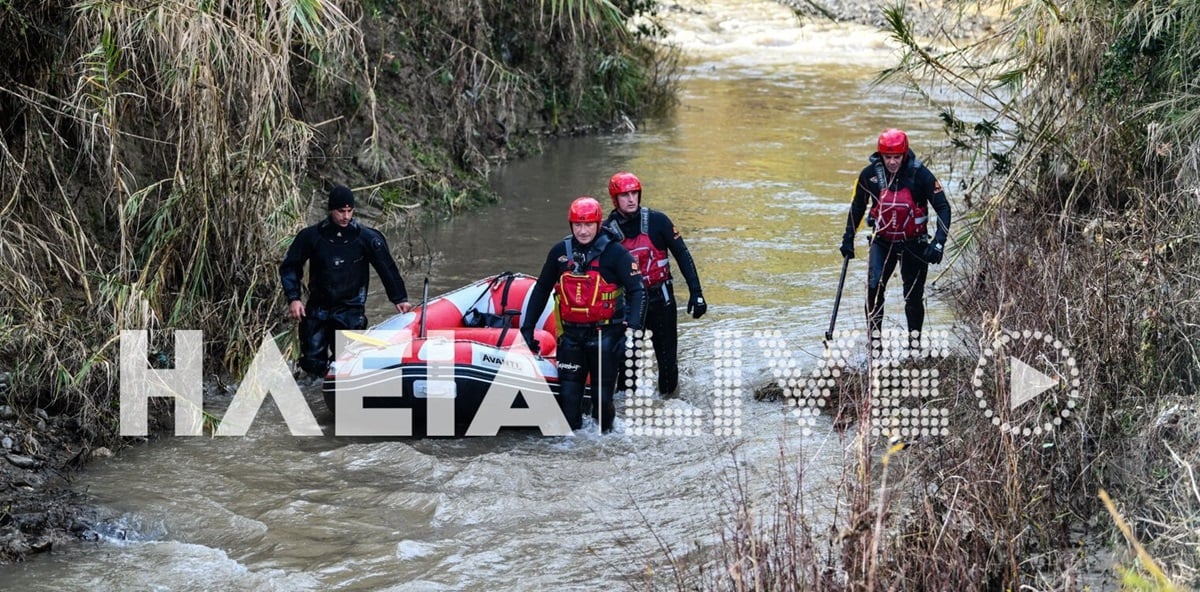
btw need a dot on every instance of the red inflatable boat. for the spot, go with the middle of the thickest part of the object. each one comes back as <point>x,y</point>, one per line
<point>460,346</point>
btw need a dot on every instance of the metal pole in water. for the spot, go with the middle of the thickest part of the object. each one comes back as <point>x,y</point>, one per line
<point>424,300</point>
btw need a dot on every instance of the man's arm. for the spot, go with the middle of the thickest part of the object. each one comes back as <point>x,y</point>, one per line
<point>858,205</point>
<point>940,205</point>
<point>381,259</point>
<point>291,271</point>
<point>541,292</point>
<point>664,232</point>
<point>539,295</point>
<point>858,209</point>
<point>630,278</point>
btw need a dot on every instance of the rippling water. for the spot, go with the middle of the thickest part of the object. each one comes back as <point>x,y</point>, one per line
<point>755,169</point>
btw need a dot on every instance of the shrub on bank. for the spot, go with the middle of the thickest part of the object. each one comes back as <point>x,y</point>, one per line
<point>1080,161</point>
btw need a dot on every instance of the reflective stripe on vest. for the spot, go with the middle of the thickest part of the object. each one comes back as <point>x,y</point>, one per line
<point>651,260</point>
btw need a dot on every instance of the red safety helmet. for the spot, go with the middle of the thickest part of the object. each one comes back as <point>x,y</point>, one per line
<point>621,183</point>
<point>893,141</point>
<point>585,209</point>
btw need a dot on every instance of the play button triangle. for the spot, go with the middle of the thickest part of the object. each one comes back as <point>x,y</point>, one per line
<point>1026,383</point>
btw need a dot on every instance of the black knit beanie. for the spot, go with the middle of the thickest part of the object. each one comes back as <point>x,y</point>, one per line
<point>340,196</point>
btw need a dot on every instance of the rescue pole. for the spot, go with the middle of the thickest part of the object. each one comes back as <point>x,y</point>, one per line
<point>425,299</point>
<point>837,300</point>
<point>597,397</point>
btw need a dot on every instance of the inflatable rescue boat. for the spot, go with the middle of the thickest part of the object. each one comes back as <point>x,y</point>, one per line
<point>460,346</point>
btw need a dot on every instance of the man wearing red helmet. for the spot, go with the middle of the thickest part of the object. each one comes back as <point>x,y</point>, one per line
<point>599,292</point>
<point>649,236</point>
<point>899,191</point>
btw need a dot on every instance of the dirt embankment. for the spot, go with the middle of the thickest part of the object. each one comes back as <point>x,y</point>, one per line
<point>38,506</point>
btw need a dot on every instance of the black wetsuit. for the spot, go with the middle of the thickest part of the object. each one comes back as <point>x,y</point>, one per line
<point>661,315</point>
<point>339,273</point>
<point>910,254</point>
<point>589,348</point>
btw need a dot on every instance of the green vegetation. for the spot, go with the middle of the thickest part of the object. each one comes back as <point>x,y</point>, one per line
<point>156,157</point>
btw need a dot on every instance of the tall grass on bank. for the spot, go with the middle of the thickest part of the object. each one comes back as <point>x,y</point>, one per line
<point>156,157</point>
<point>148,172</point>
<point>1079,148</point>
<point>1081,223</point>
<point>1084,225</point>
<point>505,75</point>
<point>975,509</point>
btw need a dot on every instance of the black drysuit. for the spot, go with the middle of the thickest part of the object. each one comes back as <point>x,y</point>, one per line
<point>910,254</point>
<point>661,315</point>
<point>339,273</point>
<point>589,349</point>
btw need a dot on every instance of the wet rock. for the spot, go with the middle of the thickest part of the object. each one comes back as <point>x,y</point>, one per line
<point>29,480</point>
<point>13,540</point>
<point>37,504</point>
<point>41,544</point>
<point>102,452</point>
<point>23,462</point>
<point>81,527</point>
<point>29,521</point>
<point>768,392</point>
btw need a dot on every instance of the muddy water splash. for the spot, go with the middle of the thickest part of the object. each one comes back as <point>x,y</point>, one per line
<point>755,167</point>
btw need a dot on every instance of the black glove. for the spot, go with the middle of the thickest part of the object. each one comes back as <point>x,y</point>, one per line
<point>847,247</point>
<point>697,306</point>
<point>527,334</point>
<point>933,253</point>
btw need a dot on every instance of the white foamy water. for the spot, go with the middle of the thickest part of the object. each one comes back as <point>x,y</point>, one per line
<point>753,35</point>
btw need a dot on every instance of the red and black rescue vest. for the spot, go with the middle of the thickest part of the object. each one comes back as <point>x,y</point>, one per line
<point>584,297</point>
<point>895,215</point>
<point>651,260</point>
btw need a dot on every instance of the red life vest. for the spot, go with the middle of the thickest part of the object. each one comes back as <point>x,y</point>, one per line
<point>583,296</point>
<point>651,260</point>
<point>895,216</point>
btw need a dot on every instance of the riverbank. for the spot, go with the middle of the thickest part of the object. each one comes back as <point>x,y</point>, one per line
<point>39,508</point>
